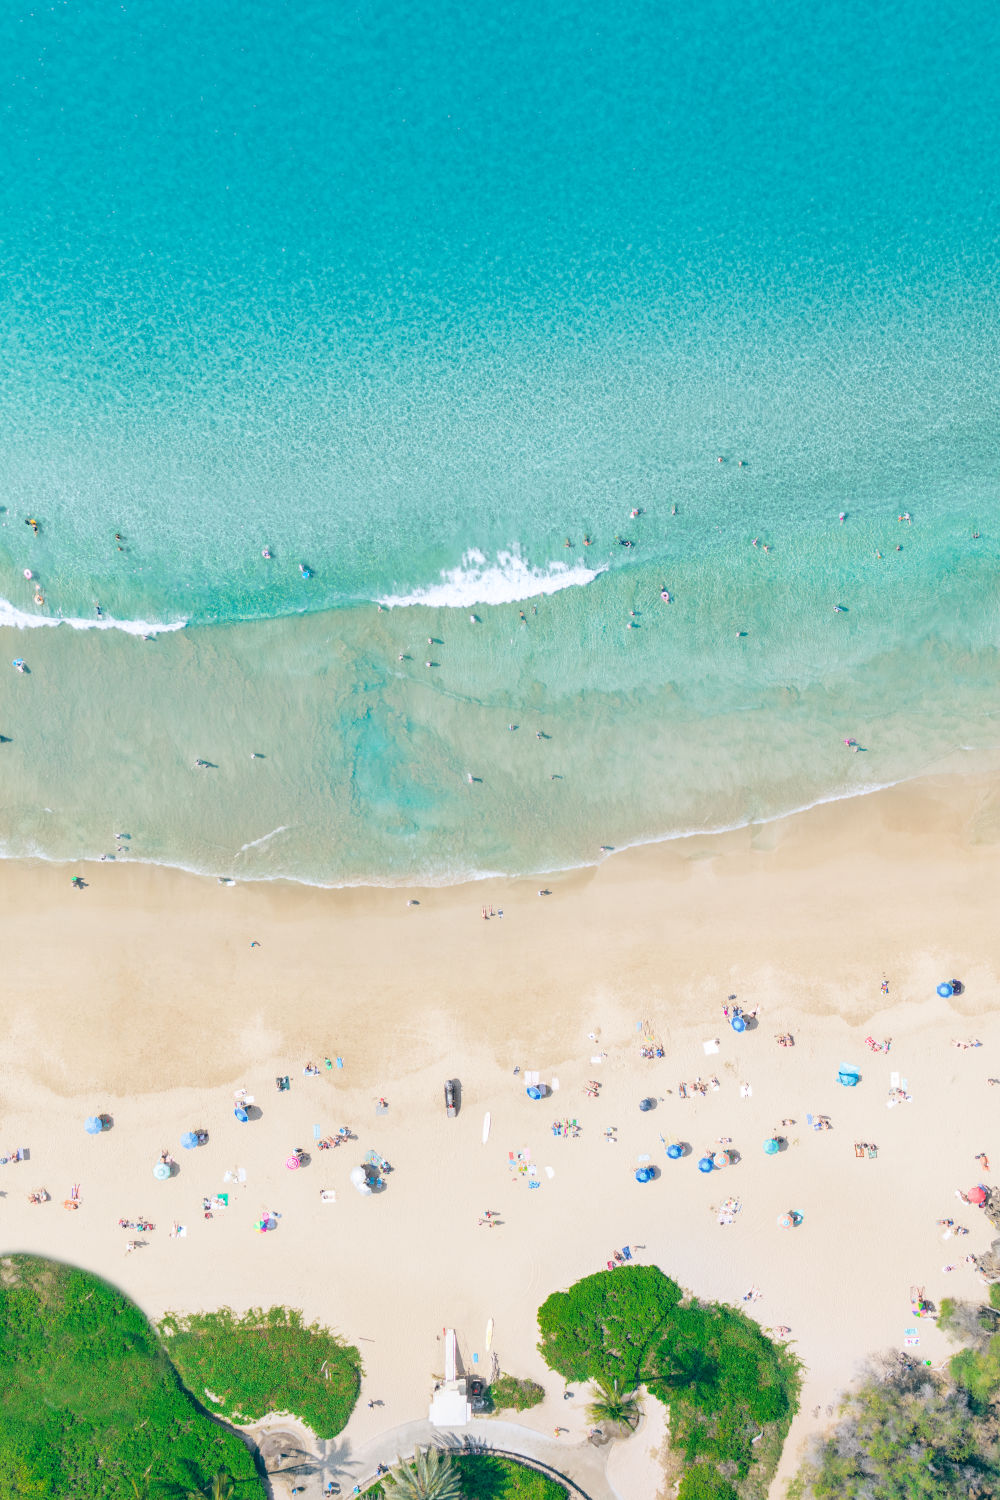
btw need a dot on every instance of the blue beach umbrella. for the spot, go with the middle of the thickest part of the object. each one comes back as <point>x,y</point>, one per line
<point>533,1092</point>
<point>706,1164</point>
<point>189,1140</point>
<point>643,1174</point>
<point>738,1023</point>
<point>674,1151</point>
<point>645,1104</point>
<point>772,1147</point>
<point>848,1076</point>
<point>161,1171</point>
<point>93,1125</point>
<point>241,1115</point>
<point>945,990</point>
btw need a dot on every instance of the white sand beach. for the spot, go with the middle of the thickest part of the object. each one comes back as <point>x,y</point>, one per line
<point>142,996</point>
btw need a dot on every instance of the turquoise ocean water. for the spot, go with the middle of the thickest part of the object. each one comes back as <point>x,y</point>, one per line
<point>409,297</point>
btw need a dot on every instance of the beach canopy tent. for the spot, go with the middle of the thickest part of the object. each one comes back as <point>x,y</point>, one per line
<point>241,1115</point>
<point>771,1146</point>
<point>359,1179</point>
<point>848,1076</point>
<point>644,1174</point>
<point>93,1125</point>
<point>189,1140</point>
<point>533,1092</point>
<point>945,989</point>
<point>161,1171</point>
<point>674,1151</point>
<point>738,1023</point>
<point>978,1195</point>
<point>706,1164</point>
<point>645,1104</point>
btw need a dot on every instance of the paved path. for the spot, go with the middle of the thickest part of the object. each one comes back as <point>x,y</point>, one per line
<point>580,1466</point>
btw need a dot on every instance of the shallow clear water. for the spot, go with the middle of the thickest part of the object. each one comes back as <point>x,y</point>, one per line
<point>411,297</point>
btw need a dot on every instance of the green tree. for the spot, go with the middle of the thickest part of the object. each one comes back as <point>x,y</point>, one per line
<point>616,1407</point>
<point>703,1482</point>
<point>904,1434</point>
<point>429,1477</point>
<point>221,1486</point>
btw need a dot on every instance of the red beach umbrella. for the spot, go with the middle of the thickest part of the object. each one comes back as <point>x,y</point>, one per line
<point>978,1195</point>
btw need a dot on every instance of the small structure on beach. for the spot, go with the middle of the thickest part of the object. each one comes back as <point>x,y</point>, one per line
<point>450,1405</point>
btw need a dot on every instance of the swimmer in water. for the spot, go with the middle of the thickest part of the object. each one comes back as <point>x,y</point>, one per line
<point>306,572</point>
<point>266,553</point>
<point>567,543</point>
<point>665,596</point>
<point>586,541</point>
<point>39,596</point>
<point>673,510</point>
<point>838,609</point>
<point>843,517</point>
<point>30,521</point>
<point>755,542</point>
<point>634,513</point>
<point>524,618</point>
<point>98,611</point>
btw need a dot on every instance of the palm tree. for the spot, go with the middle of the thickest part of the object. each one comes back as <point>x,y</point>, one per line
<point>221,1486</point>
<point>617,1408</point>
<point>429,1477</point>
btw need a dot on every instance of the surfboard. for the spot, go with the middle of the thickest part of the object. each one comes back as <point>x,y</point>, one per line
<point>486,1127</point>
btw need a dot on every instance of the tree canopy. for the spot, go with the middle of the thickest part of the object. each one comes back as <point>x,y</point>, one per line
<point>91,1404</point>
<point>723,1379</point>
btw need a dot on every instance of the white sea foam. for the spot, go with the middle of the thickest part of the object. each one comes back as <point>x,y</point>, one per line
<point>256,843</point>
<point>505,580</point>
<point>21,620</point>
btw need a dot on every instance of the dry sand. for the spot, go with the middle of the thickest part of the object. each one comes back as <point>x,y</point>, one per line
<point>142,996</point>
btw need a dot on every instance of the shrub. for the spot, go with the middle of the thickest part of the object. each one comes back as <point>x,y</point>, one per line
<point>509,1393</point>
<point>702,1482</point>
<point>723,1379</point>
<point>266,1361</point>
<point>90,1401</point>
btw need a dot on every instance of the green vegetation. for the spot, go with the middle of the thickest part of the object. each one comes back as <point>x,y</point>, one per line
<point>488,1476</point>
<point>507,1393</point>
<point>91,1405</point>
<point>906,1430</point>
<point>726,1383</point>
<point>430,1476</point>
<point>244,1367</point>
<point>613,1407</point>
<point>480,1476</point>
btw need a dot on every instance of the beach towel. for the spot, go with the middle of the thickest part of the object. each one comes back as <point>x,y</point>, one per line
<point>626,1251</point>
<point>746,1091</point>
<point>340,1062</point>
<point>554,1084</point>
<point>710,1047</point>
<point>550,1173</point>
<point>316,1132</point>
